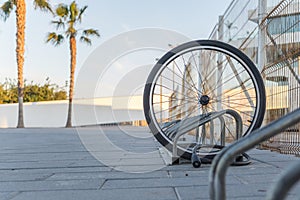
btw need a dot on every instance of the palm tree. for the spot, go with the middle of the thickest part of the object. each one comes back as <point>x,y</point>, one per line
<point>66,19</point>
<point>20,9</point>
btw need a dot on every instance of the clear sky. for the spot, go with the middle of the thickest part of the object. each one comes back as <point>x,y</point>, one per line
<point>193,18</point>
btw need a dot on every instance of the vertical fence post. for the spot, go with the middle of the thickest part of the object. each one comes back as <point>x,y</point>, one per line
<point>220,65</point>
<point>262,8</point>
<point>221,28</point>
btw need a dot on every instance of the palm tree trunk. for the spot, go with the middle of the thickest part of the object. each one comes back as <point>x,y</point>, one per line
<point>20,20</point>
<point>73,49</point>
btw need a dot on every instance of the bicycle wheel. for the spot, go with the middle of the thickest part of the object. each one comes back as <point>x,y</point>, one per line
<point>198,79</point>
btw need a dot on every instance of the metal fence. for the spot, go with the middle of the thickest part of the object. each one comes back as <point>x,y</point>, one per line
<point>268,31</point>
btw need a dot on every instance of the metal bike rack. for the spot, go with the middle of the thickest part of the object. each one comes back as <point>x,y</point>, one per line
<point>195,160</point>
<point>197,121</point>
<point>221,162</point>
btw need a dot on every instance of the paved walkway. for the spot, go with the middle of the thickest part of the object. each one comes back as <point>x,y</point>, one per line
<point>44,164</point>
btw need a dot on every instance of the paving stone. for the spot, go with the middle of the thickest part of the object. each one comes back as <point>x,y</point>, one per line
<point>36,164</point>
<point>105,175</point>
<point>36,156</point>
<point>8,195</point>
<point>57,170</point>
<point>23,177</point>
<point>18,186</point>
<point>235,191</point>
<point>122,194</point>
<point>137,168</point>
<point>158,182</point>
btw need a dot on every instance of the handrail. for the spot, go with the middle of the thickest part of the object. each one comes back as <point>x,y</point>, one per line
<point>222,161</point>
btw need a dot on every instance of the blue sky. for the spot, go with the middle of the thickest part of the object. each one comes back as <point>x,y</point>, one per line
<point>193,18</point>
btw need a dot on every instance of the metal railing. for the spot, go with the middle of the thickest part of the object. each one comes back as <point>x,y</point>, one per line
<point>226,156</point>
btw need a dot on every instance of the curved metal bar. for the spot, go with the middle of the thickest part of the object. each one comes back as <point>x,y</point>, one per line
<point>222,121</point>
<point>190,126</point>
<point>203,119</point>
<point>238,121</point>
<point>285,182</point>
<point>211,132</point>
<point>226,156</point>
<point>185,125</point>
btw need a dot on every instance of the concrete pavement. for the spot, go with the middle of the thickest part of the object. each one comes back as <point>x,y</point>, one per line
<point>58,163</point>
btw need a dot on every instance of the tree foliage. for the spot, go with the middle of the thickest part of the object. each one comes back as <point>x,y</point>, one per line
<point>33,92</point>
<point>66,17</point>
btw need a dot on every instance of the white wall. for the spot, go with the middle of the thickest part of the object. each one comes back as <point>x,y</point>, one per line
<point>54,114</point>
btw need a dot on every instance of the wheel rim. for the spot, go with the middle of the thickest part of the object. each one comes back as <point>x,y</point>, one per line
<point>199,80</point>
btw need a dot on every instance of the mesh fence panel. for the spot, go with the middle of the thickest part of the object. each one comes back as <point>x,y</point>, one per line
<point>243,25</point>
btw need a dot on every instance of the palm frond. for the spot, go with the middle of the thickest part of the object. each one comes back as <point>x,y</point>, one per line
<point>66,17</point>
<point>86,40</point>
<point>54,38</point>
<point>6,9</point>
<point>73,11</point>
<point>44,5</point>
<point>91,32</point>
<point>62,10</point>
<point>81,13</point>
<point>59,24</point>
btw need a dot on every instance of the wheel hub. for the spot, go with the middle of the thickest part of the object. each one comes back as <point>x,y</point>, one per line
<point>204,100</point>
